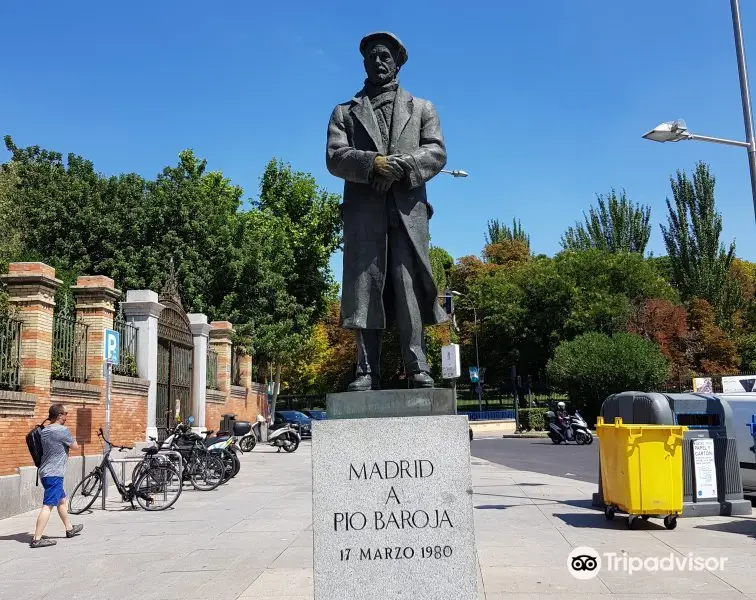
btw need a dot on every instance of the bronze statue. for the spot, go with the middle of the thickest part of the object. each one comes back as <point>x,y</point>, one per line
<point>386,144</point>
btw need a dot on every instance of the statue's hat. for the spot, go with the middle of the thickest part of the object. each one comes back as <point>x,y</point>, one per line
<point>389,37</point>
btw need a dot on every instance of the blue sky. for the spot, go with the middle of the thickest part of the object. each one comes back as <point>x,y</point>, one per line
<point>543,103</point>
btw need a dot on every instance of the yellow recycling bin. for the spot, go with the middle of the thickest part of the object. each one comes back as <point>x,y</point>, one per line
<point>642,470</point>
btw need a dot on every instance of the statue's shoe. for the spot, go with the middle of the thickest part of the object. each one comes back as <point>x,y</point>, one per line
<point>363,383</point>
<point>421,379</point>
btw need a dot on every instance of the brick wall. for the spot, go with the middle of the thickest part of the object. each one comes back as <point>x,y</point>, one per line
<point>31,287</point>
<point>245,409</point>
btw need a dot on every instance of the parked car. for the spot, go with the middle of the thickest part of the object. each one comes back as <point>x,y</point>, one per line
<point>318,415</point>
<point>300,421</point>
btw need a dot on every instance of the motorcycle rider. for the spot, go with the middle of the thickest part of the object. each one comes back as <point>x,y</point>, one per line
<point>563,418</point>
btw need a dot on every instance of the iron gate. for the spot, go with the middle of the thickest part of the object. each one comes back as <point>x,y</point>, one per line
<point>174,380</point>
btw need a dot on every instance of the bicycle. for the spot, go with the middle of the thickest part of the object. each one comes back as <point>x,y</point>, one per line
<point>153,482</point>
<point>204,470</point>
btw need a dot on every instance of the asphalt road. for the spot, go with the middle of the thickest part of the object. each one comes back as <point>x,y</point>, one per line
<point>541,456</point>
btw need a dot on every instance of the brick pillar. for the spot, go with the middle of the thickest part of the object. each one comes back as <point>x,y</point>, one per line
<point>220,341</point>
<point>245,371</point>
<point>200,332</point>
<point>95,306</point>
<point>31,287</point>
<point>142,310</point>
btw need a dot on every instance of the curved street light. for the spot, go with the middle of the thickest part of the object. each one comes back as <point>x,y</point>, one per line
<point>675,131</point>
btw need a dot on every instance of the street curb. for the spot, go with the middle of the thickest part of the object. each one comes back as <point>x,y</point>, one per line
<point>531,435</point>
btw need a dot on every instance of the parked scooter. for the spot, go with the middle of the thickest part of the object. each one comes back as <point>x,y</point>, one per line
<point>581,435</point>
<point>248,441</point>
<point>285,437</point>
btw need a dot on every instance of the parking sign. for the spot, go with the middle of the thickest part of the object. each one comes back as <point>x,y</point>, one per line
<point>112,345</point>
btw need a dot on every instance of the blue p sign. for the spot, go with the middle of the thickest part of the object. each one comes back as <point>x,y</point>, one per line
<point>112,341</point>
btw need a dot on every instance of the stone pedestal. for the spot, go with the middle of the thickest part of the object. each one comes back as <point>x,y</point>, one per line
<point>392,498</point>
<point>391,403</point>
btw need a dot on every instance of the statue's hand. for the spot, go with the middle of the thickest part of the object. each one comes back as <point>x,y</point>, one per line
<point>386,168</point>
<point>382,184</point>
<point>403,161</point>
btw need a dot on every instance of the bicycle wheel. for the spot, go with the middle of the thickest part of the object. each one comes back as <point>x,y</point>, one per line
<point>85,493</point>
<point>206,472</point>
<point>228,465</point>
<point>158,488</point>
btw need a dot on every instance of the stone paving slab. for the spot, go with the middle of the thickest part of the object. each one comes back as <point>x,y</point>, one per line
<point>252,539</point>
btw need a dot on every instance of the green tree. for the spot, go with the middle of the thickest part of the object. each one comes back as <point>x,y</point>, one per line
<point>606,286</point>
<point>310,219</point>
<point>10,230</point>
<point>616,225</point>
<point>441,263</point>
<point>595,365</point>
<point>700,264</point>
<point>499,233</point>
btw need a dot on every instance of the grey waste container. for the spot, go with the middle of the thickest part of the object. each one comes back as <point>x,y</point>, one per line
<point>711,472</point>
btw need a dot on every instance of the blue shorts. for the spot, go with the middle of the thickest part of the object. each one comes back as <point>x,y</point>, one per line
<point>54,491</point>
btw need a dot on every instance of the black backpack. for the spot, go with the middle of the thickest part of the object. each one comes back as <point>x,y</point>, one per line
<point>34,442</point>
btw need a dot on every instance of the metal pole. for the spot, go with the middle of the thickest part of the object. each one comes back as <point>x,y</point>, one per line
<point>477,361</point>
<point>745,95</point>
<point>106,446</point>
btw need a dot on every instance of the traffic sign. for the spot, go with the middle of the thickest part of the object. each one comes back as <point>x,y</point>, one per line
<point>112,346</point>
<point>474,374</point>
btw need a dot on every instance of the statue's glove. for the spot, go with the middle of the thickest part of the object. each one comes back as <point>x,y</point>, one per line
<point>387,169</point>
<point>404,161</point>
<point>382,184</point>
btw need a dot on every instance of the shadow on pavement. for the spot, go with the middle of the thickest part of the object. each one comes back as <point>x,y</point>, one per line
<point>586,504</point>
<point>24,538</point>
<point>598,521</point>
<point>744,527</point>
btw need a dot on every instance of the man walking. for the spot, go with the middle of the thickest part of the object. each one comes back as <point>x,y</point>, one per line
<point>56,442</point>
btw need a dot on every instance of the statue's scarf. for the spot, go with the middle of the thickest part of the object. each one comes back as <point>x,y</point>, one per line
<point>382,101</point>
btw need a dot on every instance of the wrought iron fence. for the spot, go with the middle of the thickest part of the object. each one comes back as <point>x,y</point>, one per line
<point>69,359</point>
<point>740,382</point>
<point>235,367</point>
<point>128,349</point>
<point>212,370</point>
<point>10,353</point>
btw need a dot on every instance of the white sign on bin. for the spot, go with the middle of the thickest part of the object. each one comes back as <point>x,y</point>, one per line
<point>704,468</point>
<point>451,367</point>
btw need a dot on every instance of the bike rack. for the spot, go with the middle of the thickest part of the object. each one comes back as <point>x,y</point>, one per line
<point>139,459</point>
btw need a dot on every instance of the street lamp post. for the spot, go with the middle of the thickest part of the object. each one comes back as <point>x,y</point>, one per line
<point>675,131</point>
<point>477,357</point>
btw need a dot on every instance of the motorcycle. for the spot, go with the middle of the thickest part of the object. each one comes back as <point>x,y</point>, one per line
<point>581,435</point>
<point>285,437</point>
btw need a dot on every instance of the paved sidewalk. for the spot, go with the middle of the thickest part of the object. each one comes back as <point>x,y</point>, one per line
<point>252,539</point>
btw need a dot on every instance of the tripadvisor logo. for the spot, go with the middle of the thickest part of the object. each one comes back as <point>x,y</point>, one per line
<point>585,563</point>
